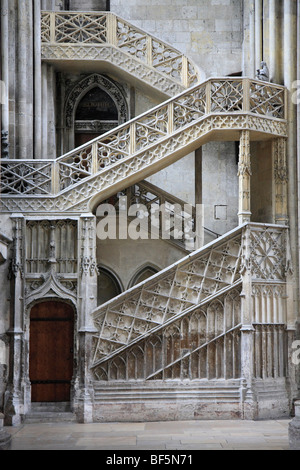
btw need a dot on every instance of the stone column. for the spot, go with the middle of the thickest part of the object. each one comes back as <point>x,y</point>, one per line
<point>14,399</point>
<point>44,89</point>
<point>37,81</point>
<point>280,181</point>
<point>4,72</point>
<point>274,38</point>
<point>22,78</point>
<point>86,329</point>
<point>258,32</point>
<point>249,402</point>
<point>244,174</point>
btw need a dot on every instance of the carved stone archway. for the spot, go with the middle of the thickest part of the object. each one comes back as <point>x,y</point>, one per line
<point>83,86</point>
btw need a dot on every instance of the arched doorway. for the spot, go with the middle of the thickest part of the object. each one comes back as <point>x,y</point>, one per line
<point>51,344</point>
<point>94,105</point>
<point>96,114</point>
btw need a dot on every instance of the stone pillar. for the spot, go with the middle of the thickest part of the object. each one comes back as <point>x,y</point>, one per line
<point>274,40</point>
<point>294,428</point>
<point>280,181</point>
<point>44,89</point>
<point>247,331</point>
<point>14,399</point>
<point>4,65</point>
<point>86,328</point>
<point>244,174</point>
<point>37,81</point>
<point>258,33</point>
<point>21,80</point>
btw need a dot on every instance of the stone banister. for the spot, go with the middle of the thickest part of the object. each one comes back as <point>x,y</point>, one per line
<point>242,266</point>
<point>146,144</point>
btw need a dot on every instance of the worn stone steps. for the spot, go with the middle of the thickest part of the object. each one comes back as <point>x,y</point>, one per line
<point>50,412</point>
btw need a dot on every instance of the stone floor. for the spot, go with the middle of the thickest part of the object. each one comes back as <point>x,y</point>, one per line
<point>181,435</point>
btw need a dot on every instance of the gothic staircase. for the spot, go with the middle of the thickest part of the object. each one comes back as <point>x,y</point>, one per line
<point>188,321</point>
<point>219,108</point>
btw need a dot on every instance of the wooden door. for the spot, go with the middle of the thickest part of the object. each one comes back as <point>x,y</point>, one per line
<point>51,351</point>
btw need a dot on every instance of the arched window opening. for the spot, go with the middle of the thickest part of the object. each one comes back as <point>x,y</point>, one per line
<point>108,286</point>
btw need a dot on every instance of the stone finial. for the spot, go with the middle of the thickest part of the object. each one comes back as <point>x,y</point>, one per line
<point>294,428</point>
<point>263,72</point>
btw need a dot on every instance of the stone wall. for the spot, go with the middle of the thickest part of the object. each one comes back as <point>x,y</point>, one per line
<point>210,32</point>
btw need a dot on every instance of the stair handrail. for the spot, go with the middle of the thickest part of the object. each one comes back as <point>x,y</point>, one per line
<point>215,96</point>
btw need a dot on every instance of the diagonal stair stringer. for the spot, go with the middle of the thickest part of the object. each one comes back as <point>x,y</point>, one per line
<point>168,295</point>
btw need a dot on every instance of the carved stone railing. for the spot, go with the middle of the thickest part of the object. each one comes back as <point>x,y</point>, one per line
<point>107,37</point>
<point>168,295</point>
<point>144,145</point>
<point>167,216</point>
<point>186,321</point>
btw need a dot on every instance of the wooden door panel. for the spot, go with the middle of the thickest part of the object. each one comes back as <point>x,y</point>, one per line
<point>51,351</point>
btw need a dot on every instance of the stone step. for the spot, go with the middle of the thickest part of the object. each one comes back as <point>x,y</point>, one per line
<point>49,417</point>
<point>50,412</point>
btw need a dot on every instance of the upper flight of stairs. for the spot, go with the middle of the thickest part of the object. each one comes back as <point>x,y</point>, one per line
<point>77,181</point>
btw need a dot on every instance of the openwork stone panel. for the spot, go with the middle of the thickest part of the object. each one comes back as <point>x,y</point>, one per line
<point>75,167</point>
<point>266,100</point>
<point>79,28</point>
<point>226,96</point>
<point>26,177</point>
<point>268,253</point>
<point>166,296</point>
<point>203,344</point>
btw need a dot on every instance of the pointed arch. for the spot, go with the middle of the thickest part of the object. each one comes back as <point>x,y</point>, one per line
<point>143,272</point>
<point>109,284</point>
<point>112,89</point>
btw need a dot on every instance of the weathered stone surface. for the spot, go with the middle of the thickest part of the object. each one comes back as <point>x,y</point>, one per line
<point>294,428</point>
<point>5,438</point>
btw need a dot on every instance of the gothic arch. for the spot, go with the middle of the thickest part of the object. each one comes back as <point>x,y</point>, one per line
<point>81,88</point>
<point>86,84</point>
<point>145,271</point>
<point>109,285</point>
